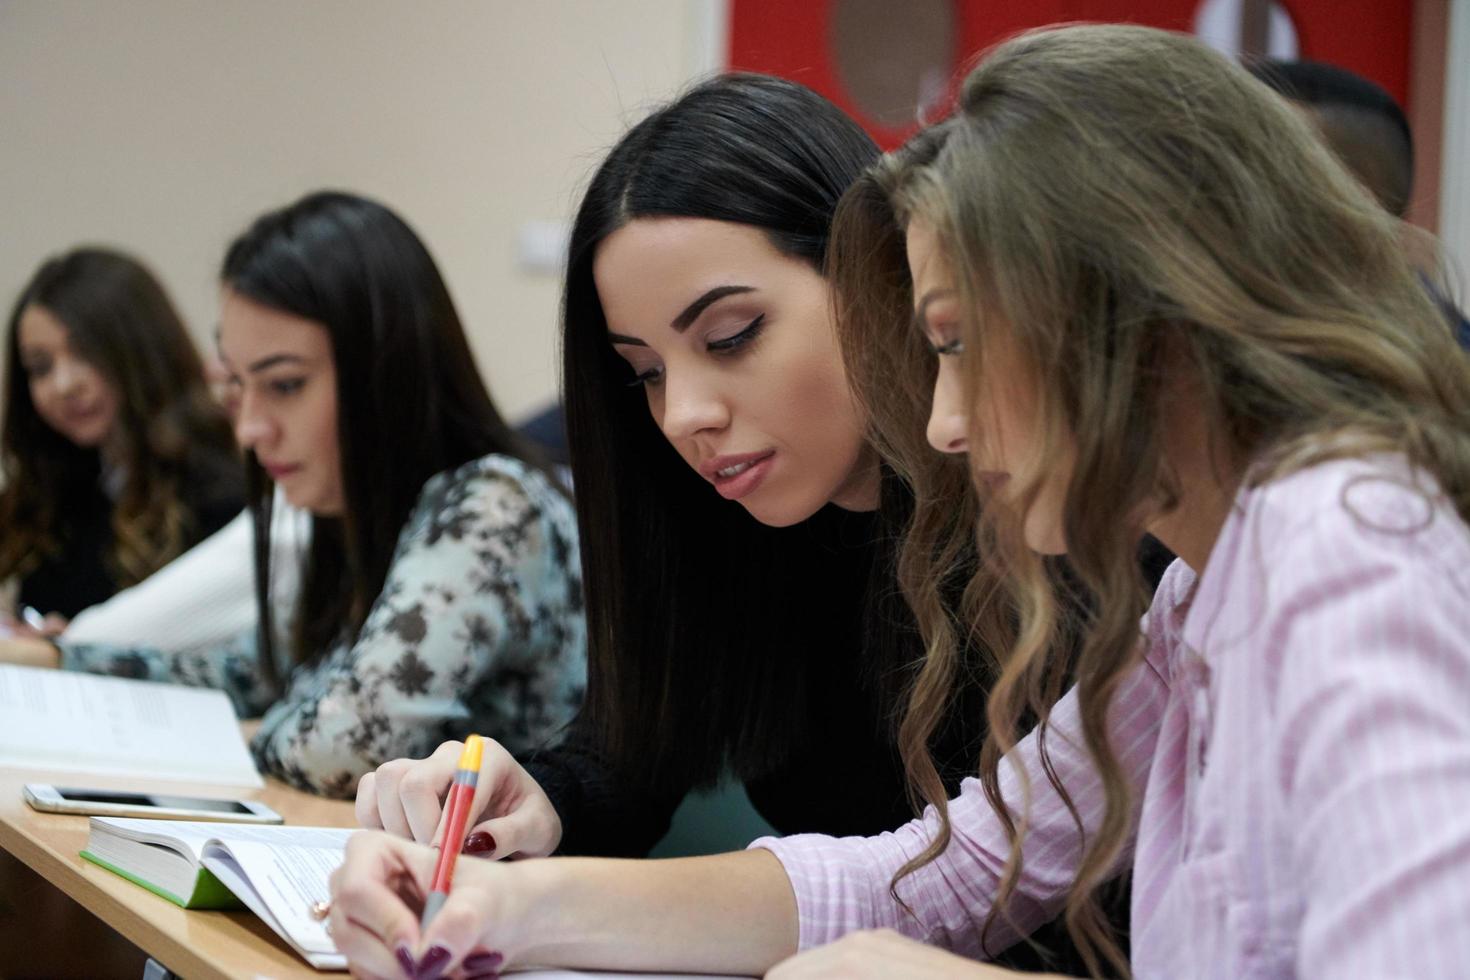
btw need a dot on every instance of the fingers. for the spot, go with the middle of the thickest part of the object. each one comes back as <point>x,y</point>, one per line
<point>365,807</point>
<point>390,809</point>
<point>455,930</point>
<point>369,956</point>
<point>497,771</point>
<point>531,830</point>
<point>371,921</point>
<point>11,626</point>
<point>421,794</point>
<point>405,796</point>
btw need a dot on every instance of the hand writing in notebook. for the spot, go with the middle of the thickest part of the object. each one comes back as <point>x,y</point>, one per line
<point>378,900</point>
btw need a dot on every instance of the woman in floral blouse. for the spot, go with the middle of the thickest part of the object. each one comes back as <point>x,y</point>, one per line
<point>441,592</point>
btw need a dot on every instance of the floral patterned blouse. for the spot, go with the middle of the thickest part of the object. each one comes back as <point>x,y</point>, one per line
<point>479,628</point>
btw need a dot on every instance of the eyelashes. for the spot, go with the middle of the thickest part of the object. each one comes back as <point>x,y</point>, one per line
<point>725,346</point>
<point>751,331</point>
<point>953,347</point>
<point>647,377</point>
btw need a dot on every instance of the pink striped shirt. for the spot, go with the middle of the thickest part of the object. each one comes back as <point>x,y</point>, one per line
<point>1298,742</point>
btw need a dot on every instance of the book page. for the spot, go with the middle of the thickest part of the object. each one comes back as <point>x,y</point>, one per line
<point>280,872</point>
<point>194,834</point>
<point>287,870</point>
<point>86,723</point>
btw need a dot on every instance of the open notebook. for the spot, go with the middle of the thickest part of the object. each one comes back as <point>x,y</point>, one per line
<point>276,872</point>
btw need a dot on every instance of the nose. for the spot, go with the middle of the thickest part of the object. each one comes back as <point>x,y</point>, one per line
<point>68,376</point>
<point>253,426</point>
<point>692,405</point>
<point>949,425</point>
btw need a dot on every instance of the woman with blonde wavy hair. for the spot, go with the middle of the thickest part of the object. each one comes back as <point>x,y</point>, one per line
<point>1158,304</point>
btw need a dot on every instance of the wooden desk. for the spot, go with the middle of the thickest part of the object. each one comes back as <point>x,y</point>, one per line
<point>203,945</point>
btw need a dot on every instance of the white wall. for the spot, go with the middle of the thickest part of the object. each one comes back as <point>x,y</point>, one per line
<point>164,126</point>
<point>1454,195</point>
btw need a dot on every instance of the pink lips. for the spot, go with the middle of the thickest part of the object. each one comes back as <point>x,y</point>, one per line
<point>752,469</point>
<point>278,472</point>
<point>80,416</point>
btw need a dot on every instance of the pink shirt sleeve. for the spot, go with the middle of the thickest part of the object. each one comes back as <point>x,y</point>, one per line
<point>842,884</point>
<point>1372,754</point>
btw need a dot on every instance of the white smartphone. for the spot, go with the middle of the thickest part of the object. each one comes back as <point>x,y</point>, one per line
<point>159,806</point>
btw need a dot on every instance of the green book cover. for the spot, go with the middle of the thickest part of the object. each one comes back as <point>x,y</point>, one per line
<point>208,892</point>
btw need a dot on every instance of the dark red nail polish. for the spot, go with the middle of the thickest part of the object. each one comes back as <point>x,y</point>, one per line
<point>478,963</point>
<point>479,843</point>
<point>405,960</point>
<point>432,964</point>
<point>485,976</point>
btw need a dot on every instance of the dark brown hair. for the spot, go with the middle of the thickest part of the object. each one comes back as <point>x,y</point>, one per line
<point>118,318</point>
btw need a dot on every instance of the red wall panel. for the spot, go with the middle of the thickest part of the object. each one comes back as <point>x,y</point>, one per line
<point>791,37</point>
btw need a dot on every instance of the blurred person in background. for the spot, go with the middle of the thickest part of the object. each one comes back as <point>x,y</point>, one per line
<point>115,458</point>
<point>1369,132</point>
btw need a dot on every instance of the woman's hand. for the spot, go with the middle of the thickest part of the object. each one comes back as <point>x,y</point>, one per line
<point>511,814</point>
<point>882,953</point>
<point>378,894</point>
<point>725,913</point>
<point>29,651</point>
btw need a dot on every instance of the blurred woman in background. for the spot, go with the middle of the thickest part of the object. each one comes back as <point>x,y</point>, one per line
<point>115,458</point>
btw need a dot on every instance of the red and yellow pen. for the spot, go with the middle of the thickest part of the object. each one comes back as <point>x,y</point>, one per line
<point>456,815</point>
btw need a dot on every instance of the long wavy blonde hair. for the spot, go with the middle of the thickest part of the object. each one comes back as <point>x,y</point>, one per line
<point>1106,196</point>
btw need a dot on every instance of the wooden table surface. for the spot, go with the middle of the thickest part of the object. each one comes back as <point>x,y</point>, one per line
<point>202,945</point>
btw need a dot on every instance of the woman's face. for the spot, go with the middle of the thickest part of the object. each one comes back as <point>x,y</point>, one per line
<point>734,345</point>
<point>70,394</point>
<point>283,383</point>
<point>1004,408</point>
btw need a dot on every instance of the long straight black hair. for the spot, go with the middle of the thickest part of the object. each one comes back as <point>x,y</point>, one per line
<point>410,402</point>
<point>699,617</point>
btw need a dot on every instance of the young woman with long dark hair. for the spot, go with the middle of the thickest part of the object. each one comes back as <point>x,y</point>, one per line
<point>760,634</point>
<point>115,458</point>
<point>440,589</point>
<point>1198,324</point>
<point>739,531</point>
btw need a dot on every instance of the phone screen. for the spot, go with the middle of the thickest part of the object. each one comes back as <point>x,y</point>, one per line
<point>152,799</point>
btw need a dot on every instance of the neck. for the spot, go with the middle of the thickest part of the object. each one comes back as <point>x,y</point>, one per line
<point>110,452</point>
<point>859,492</point>
<point>1208,480</point>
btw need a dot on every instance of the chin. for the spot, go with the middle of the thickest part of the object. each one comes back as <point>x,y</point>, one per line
<point>85,439</point>
<point>779,513</point>
<point>1046,541</point>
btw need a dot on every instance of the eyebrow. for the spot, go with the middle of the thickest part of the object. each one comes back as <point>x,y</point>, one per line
<point>271,360</point>
<point>689,314</point>
<point>919,323</point>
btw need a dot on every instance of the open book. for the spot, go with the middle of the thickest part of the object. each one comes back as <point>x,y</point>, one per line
<point>276,872</point>
<point>72,722</point>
